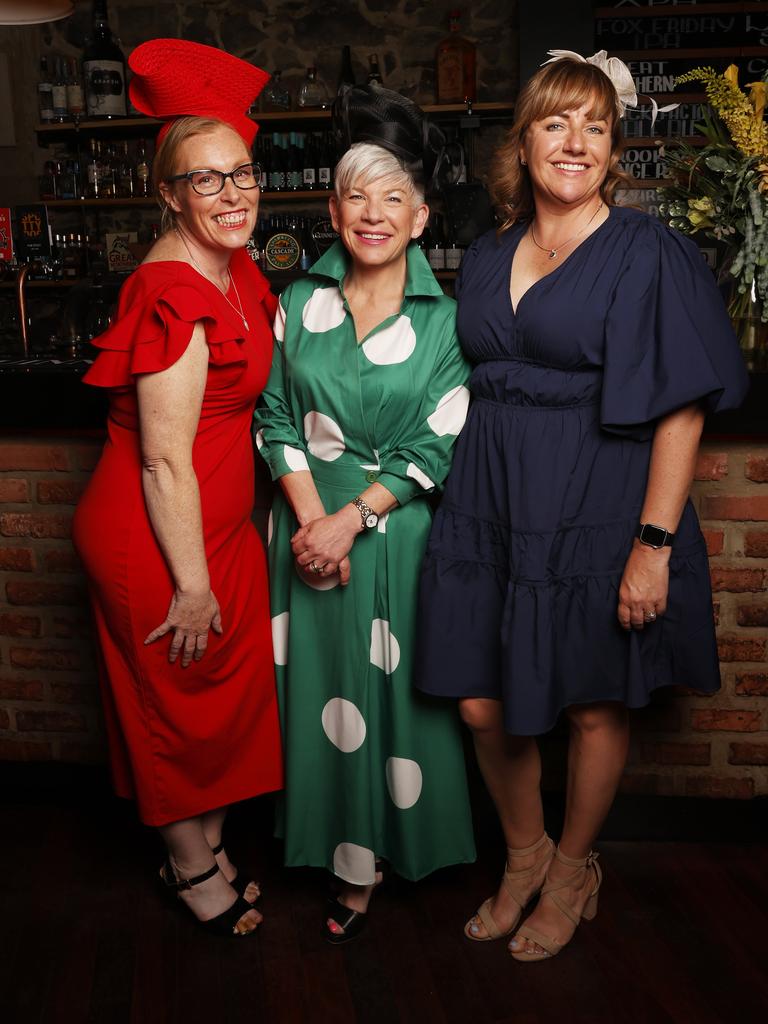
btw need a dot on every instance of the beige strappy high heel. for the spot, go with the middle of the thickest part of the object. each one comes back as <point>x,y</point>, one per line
<point>512,882</point>
<point>552,946</point>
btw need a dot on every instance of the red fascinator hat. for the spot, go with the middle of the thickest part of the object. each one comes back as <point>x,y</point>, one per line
<point>175,78</point>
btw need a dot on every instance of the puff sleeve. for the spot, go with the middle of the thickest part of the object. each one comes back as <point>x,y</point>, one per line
<point>668,338</point>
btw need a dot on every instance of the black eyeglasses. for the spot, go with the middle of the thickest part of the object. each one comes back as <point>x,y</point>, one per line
<point>210,183</point>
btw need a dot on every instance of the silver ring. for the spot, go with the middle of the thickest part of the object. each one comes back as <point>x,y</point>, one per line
<point>314,568</point>
<point>649,616</point>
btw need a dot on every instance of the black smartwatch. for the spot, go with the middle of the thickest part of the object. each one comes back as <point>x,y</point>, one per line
<point>654,536</point>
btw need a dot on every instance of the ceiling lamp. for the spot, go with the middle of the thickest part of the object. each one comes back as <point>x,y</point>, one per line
<point>33,12</point>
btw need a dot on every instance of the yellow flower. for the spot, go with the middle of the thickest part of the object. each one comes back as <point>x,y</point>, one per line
<point>749,132</point>
<point>704,205</point>
<point>757,99</point>
<point>699,220</point>
<point>731,75</point>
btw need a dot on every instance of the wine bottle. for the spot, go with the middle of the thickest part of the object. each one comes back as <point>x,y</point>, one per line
<point>59,92</point>
<point>455,61</point>
<point>277,170</point>
<point>346,75</point>
<point>45,93</point>
<point>324,164</point>
<point>75,98</point>
<point>143,182</point>
<point>103,68</point>
<point>309,170</point>
<point>374,75</point>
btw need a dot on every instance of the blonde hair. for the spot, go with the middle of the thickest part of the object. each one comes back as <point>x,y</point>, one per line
<point>365,162</point>
<point>565,84</point>
<point>165,163</point>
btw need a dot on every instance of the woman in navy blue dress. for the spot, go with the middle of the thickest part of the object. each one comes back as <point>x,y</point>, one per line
<point>566,570</point>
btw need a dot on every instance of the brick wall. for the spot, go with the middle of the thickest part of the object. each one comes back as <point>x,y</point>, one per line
<point>683,744</point>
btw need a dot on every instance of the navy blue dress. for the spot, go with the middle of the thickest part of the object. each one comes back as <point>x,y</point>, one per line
<point>519,587</point>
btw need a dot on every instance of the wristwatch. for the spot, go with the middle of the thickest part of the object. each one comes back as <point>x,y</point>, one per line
<point>369,517</point>
<point>654,536</point>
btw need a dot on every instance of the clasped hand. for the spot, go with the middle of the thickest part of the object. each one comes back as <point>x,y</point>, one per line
<point>322,546</point>
<point>189,618</point>
<point>644,586</point>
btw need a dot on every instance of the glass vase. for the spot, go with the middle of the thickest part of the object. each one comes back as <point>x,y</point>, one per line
<point>750,322</point>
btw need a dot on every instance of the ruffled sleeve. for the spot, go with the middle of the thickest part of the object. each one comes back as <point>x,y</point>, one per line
<point>668,339</point>
<point>157,311</point>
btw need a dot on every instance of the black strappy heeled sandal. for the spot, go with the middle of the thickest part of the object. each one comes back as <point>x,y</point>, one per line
<point>237,882</point>
<point>351,921</point>
<point>224,923</point>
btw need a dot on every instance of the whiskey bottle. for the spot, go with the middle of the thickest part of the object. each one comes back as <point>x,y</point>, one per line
<point>142,176</point>
<point>455,65</point>
<point>75,98</point>
<point>103,69</point>
<point>312,92</point>
<point>45,93</point>
<point>59,92</point>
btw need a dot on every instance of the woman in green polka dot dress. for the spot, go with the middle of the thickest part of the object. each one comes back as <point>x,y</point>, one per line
<point>357,423</point>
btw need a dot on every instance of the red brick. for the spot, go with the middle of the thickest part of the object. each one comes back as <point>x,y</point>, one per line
<point>739,648</point>
<point>4,720</point>
<point>33,456</point>
<point>719,788</point>
<point>16,560</point>
<point>737,580</point>
<point>88,456</point>
<point>647,784</point>
<point>757,469</point>
<point>63,492</point>
<point>722,506</point>
<point>25,750</point>
<point>752,684</point>
<point>62,560</point>
<point>50,721</point>
<point>83,753</point>
<point>656,718</point>
<point>21,689</point>
<point>756,544</point>
<point>64,627</point>
<point>676,753</point>
<point>711,466</point>
<point>12,489</point>
<point>74,693</point>
<point>727,719</point>
<point>748,753</point>
<point>753,615</point>
<point>35,524</point>
<point>45,657</point>
<point>716,612</point>
<point>38,592</point>
<point>714,540</point>
<point>12,624</point>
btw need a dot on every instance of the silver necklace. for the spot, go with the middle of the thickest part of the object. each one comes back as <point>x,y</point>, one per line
<point>552,253</point>
<point>230,280</point>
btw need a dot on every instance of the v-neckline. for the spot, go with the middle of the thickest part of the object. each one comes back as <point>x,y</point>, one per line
<point>516,309</point>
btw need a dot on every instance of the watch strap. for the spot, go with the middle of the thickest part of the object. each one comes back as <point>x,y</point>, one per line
<point>365,511</point>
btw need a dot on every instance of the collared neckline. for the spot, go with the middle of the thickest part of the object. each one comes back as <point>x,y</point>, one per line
<point>419,279</point>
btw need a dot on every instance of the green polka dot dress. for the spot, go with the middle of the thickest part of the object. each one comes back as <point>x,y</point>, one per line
<point>373,768</point>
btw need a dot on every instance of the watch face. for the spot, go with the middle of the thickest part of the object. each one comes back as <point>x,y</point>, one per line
<point>653,535</point>
<point>371,521</point>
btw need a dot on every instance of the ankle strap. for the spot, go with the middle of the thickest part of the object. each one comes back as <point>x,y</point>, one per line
<point>185,883</point>
<point>575,862</point>
<point>217,849</point>
<point>529,849</point>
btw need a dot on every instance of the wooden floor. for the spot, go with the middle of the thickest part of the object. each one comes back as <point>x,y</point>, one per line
<point>681,936</point>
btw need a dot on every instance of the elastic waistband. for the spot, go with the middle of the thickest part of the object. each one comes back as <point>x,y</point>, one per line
<point>518,407</point>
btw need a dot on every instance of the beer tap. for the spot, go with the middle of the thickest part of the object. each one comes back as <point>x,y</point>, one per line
<point>21,303</point>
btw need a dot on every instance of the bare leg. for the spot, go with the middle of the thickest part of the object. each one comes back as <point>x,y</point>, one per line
<point>213,823</point>
<point>596,757</point>
<point>190,854</point>
<point>511,768</point>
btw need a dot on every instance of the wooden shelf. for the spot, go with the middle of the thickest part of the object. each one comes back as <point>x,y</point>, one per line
<point>63,283</point>
<point>57,204</point>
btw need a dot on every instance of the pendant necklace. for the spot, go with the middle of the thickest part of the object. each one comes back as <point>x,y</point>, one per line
<point>552,253</point>
<point>230,279</point>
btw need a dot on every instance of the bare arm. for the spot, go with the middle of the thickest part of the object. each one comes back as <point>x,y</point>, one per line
<point>645,581</point>
<point>169,411</point>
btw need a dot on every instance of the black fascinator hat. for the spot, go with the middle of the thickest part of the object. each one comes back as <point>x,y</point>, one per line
<point>369,113</point>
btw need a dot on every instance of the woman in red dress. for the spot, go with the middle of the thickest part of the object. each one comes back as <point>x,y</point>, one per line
<point>176,569</point>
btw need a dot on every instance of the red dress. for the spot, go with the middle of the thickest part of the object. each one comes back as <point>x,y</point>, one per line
<point>183,740</point>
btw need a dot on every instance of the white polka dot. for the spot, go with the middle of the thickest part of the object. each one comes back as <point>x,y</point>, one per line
<point>296,459</point>
<point>324,437</point>
<point>404,781</point>
<point>270,527</point>
<point>419,476</point>
<point>323,310</point>
<point>382,527</point>
<point>385,650</point>
<point>280,638</point>
<point>451,411</point>
<point>392,345</point>
<point>343,724</point>
<point>355,864</point>
<point>278,328</point>
<point>259,439</point>
<point>317,582</point>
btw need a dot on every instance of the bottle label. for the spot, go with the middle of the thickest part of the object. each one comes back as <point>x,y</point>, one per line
<point>282,251</point>
<point>309,176</point>
<point>453,257</point>
<point>450,76</point>
<point>324,175</point>
<point>104,88</point>
<point>45,95</point>
<point>277,179</point>
<point>294,179</point>
<point>59,98</point>
<point>436,257</point>
<point>75,102</point>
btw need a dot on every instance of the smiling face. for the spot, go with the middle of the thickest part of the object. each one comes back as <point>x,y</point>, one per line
<point>568,155</point>
<point>377,219</point>
<point>224,221</point>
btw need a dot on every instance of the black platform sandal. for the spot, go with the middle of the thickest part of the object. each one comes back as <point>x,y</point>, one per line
<point>237,882</point>
<point>224,923</point>
<point>351,921</point>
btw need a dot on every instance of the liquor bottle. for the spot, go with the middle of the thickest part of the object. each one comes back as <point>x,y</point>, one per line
<point>436,247</point>
<point>103,68</point>
<point>346,75</point>
<point>275,95</point>
<point>312,91</point>
<point>45,93</point>
<point>309,170</point>
<point>295,177</point>
<point>143,181</point>
<point>455,64</point>
<point>277,170</point>
<point>324,164</point>
<point>48,186</point>
<point>69,181</point>
<point>75,97</point>
<point>94,170</point>
<point>264,158</point>
<point>59,91</point>
<point>453,254</point>
<point>374,75</point>
<point>108,173</point>
<point>126,182</point>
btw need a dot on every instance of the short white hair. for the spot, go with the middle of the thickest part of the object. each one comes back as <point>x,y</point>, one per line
<point>365,162</point>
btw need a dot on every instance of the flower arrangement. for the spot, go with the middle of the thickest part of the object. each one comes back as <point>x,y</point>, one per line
<point>721,188</point>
